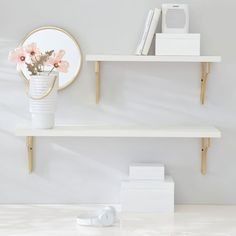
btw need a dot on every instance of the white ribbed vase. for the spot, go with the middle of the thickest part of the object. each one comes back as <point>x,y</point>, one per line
<point>43,110</point>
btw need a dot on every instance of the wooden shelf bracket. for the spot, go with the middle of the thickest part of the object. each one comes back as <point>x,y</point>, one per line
<point>97,73</point>
<point>205,71</point>
<point>29,144</point>
<point>205,144</point>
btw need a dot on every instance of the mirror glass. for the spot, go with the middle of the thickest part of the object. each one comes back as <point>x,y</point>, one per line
<point>52,38</point>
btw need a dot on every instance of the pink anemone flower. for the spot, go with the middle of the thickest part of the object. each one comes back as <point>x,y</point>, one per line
<point>17,56</point>
<point>56,61</point>
<point>32,50</point>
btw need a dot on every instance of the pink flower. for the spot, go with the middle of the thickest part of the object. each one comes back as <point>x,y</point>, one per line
<point>56,61</point>
<point>17,56</point>
<point>32,50</point>
<point>63,66</point>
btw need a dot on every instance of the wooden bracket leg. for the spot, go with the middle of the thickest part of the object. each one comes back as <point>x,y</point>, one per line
<point>29,143</point>
<point>205,70</point>
<point>205,144</point>
<point>97,73</point>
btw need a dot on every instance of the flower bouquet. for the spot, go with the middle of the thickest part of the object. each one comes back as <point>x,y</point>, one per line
<point>43,71</point>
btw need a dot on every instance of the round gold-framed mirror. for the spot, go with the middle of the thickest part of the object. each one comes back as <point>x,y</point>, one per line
<point>54,38</point>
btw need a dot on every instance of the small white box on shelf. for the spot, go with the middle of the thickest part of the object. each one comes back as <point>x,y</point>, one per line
<point>178,44</point>
<point>147,171</point>
<point>148,196</point>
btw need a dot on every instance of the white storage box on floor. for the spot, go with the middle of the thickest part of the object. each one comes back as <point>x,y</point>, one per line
<point>177,44</point>
<point>147,171</point>
<point>148,196</point>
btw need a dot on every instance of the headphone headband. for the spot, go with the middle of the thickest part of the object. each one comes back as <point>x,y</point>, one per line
<point>88,221</point>
<point>105,217</point>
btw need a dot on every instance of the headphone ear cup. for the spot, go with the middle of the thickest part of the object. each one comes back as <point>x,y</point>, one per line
<point>107,216</point>
<point>113,210</point>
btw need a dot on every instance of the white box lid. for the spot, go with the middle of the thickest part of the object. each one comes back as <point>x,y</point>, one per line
<point>168,183</point>
<point>151,164</point>
<point>146,171</point>
<point>177,36</point>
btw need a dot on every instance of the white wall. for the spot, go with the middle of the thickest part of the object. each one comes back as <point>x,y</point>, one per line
<point>81,170</point>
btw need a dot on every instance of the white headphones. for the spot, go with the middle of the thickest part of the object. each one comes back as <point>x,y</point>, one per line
<point>104,217</point>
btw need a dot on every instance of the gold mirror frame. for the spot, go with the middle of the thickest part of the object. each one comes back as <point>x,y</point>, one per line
<point>70,36</point>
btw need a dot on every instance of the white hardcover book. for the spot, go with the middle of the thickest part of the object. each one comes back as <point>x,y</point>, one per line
<point>140,47</point>
<point>151,32</point>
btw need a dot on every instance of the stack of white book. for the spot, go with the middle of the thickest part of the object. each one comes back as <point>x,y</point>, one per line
<point>148,190</point>
<point>149,32</point>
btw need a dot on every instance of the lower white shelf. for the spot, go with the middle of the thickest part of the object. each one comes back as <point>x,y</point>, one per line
<point>205,133</point>
<point>124,131</point>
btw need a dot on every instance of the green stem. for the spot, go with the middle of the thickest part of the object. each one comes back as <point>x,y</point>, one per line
<point>51,71</point>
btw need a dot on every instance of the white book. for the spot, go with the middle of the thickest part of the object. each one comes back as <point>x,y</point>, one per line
<point>151,32</point>
<point>140,47</point>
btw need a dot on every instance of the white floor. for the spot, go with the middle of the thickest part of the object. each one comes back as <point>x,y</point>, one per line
<point>60,220</point>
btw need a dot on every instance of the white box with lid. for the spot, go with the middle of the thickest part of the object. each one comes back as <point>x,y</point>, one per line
<point>147,171</point>
<point>177,44</point>
<point>148,196</point>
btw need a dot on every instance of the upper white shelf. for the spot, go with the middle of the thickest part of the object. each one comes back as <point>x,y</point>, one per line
<point>123,131</point>
<point>133,58</point>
